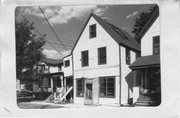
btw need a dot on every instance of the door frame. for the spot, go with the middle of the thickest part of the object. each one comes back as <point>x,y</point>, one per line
<point>86,101</point>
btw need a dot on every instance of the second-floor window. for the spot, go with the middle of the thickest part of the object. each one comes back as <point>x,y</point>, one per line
<point>92,31</point>
<point>156,45</point>
<point>67,63</point>
<point>102,55</point>
<point>84,58</point>
<point>128,58</point>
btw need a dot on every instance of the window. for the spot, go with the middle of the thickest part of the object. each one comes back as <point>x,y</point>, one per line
<point>128,59</point>
<point>84,58</point>
<point>107,87</point>
<point>156,45</point>
<point>92,31</point>
<point>138,55</point>
<point>67,63</point>
<point>59,68</point>
<point>80,87</point>
<point>102,55</point>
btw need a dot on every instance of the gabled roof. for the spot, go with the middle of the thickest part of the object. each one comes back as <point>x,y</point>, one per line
<point>52,62</point>
<point>146,61</point>
<point>119,35</point>
<point>148,24</point>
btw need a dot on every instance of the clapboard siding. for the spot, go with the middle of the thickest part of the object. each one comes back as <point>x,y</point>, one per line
<point>146,41</point>
<point>67,70</point>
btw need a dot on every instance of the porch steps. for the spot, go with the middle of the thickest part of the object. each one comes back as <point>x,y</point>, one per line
<point>50,98</point>
<point>62,96</point>
<point>144,101</point>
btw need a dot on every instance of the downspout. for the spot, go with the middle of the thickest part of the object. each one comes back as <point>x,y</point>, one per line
<point>73,76</point>
<point>119,75</point>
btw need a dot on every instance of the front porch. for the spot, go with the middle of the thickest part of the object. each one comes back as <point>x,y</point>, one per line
<point>55,84</point>
<point>147,78</point>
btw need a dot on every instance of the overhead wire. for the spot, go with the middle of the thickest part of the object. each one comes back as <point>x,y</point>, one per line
<point>52,29</point>
<point>40,33</point>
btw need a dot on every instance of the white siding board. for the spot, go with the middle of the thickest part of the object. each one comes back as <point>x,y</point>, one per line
<point>67,70</point>
<point>125,71</point>
<point>147,41</point>
<point>103,39</point>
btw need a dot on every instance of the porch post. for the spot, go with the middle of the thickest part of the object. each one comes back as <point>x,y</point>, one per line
<point>51,83</point>
<point>146,80</point>
<point>65,87</point>
<point>65,83</point>
<point>135,86</point>
<point>62,84</point>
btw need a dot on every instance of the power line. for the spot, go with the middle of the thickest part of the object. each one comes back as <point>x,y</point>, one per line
<point>52,29</point>
<point>39,33</point>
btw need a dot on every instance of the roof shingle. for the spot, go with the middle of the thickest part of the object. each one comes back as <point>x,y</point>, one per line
<point>119,35</point>
<point>146,61</point>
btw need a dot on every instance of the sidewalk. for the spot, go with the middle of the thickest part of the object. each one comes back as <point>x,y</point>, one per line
<point>63,105</point>
<point>46,105</point>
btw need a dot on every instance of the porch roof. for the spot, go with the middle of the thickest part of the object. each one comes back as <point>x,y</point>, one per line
<point>145,62</point>
<point>52,74</point>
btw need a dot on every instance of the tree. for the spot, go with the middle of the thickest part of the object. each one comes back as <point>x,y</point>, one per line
<point>28,50</point>
<point>141,20</point>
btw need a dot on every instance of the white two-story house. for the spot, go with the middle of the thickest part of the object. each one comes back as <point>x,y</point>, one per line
<point>147,81</point>
<point>101,58</point>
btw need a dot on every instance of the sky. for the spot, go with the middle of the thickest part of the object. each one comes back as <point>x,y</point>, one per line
<point>68,21</point>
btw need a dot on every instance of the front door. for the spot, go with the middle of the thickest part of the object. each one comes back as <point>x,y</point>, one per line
<point>88,94</point>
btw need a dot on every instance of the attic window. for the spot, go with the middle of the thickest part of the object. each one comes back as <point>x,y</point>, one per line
<point>92,31</point>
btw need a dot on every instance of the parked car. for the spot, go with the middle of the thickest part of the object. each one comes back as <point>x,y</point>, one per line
<point>24,93</point>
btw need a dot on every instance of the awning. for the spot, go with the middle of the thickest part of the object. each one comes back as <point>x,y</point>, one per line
<point>146,62</point>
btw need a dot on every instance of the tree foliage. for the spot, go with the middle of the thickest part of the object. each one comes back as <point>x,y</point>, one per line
<point>141,20</point>
<point>28,49</point>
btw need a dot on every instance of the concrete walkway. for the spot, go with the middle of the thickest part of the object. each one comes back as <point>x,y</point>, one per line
<point>46,105</point>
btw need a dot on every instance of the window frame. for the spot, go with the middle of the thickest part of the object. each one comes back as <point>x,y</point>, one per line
<point>100,58</point>
<point>82,86</point>
<point>114,87</point>
<point>128,54</point>
<point>83,64</point>
<point>156,46</point>
<point>92,33</point>
<point>66,64</point>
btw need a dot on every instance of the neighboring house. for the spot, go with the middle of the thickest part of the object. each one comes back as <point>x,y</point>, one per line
<point>101,58</point>
<point>147,81</point>
<point>50,75</point>
<point>68,76</point>
<point>19,85</point>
